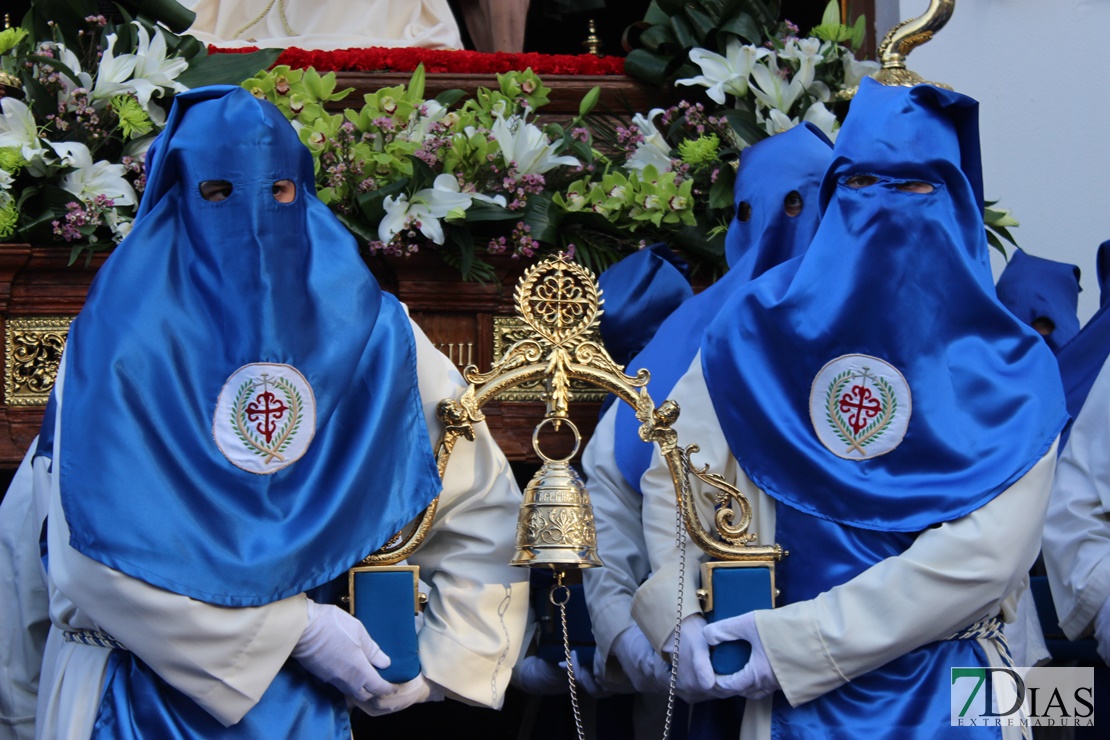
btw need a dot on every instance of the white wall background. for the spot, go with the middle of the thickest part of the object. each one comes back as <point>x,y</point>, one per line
<point>1040,70</point>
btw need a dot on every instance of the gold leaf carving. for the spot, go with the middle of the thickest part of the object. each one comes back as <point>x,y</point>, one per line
<point>33,352</point>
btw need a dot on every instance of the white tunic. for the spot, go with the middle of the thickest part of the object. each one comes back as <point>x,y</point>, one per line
<point>318,24</point>
<point>23,609</point>
<point>1077,528</point>
<point>953,574</point>
<point>620,540</point>
<point>224,658</point>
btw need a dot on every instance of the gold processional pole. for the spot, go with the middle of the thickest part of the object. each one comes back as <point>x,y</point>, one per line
<point>560,303</point>
<point>903,38</point>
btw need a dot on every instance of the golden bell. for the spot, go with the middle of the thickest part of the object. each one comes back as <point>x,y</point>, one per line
<point>556,524</point>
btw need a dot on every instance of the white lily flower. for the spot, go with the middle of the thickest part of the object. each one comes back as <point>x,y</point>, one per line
<point>445,184</point>
<point>806,53</point>
<point>418,125</point>
<point>776,121</point>
<point>70,61</point>
<point>137,147</point>
<point>427,208</point>
<point>855,71</point>
<point>153,73</point>
<point>18,129</point>
<point>810,47</point>
<point>654,150</point>
<point>114,73</point>
<point>69,152</point>
<point>725,74</point>
<point>773,91</point>
<point>822,118</point>
<point>527,146</point>
<point>90,179</point>
<point>119,224</point>
<point>5,181</point>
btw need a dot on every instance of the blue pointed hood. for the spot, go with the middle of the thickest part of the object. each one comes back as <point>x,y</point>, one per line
<point>240,417</point>
<point>761,235</point>
<point>877,381</point>
<point>1035,288</point>
<point>1082,358</point>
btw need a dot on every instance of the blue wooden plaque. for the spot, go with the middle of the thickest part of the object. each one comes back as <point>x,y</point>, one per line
<point>384,599</point>
<point>735,589</point>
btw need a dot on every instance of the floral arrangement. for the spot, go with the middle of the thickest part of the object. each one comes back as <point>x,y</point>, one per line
<point>477,176</point>
<point>465,176</point>
<point>764,78</point>
<point>404,173</point>
<point>83,98</point>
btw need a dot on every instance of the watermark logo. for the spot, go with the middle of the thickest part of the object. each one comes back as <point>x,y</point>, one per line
<point>1015,697</point>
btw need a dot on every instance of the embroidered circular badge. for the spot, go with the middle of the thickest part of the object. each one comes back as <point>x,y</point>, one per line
<point>860,406</point>
<point>265,417</point>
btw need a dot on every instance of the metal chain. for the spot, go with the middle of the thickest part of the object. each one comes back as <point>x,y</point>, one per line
<point>566,651</point>
<point>680,542</point>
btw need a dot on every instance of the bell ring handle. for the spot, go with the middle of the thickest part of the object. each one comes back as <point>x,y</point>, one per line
<point>556,420</point>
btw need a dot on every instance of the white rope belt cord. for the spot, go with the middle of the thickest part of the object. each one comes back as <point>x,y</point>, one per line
<point>93,638</point>
<point>988,628</point>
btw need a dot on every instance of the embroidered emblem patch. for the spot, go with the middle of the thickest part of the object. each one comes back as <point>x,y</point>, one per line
<point>265,417</point>
<point>860,406</point>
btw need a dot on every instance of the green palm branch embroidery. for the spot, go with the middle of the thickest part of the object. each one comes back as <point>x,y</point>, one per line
<point>874,430</point>
<point>287,432</point>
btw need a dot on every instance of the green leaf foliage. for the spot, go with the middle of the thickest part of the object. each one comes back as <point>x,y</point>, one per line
<point>227,69</point>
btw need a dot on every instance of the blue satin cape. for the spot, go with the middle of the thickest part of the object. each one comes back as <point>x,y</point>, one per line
<point>908,698</point>
<point>138,705</point>
<point>769,171</point>
<point>197,290</point>
<point>903,277</point>
<point>1034,287</point>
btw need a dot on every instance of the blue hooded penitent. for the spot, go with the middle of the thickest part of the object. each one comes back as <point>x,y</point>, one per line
<point>240,419</point>
<point>1035,288</point>
<point>1082,358</point>
<point>877,381</point>
<point>763,234</point>
<point>640,291</point>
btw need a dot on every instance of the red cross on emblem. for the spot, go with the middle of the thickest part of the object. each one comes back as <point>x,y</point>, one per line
<point>266,409</point>
<point>862,402</point>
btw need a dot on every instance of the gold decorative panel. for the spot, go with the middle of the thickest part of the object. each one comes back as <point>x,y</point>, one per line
<point>32,352</point>
<point>507,331</point>
<point>459,353</point>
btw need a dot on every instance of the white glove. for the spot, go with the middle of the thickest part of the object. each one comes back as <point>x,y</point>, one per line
<point>755,680</point>
<point>1102,631</point>
<point>696,680</point>
<point>587,679</point>
<point>416,691</point>
<point>535,676</point>
<point>648,673</point>
<point>336,648</point>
